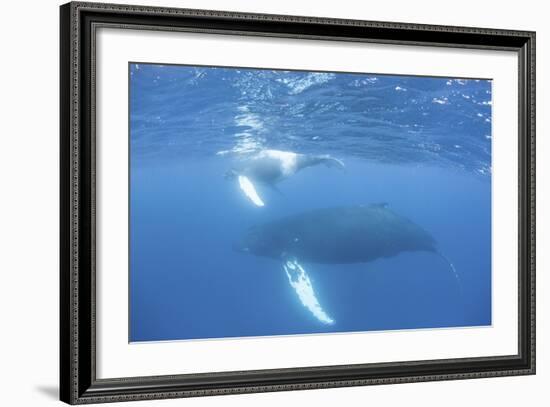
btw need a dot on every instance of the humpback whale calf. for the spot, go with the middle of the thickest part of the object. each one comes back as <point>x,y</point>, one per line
<point>341,235</point>
<point>269,167</point>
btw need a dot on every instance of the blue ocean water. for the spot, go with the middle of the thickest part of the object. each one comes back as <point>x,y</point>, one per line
<point>420,144</point>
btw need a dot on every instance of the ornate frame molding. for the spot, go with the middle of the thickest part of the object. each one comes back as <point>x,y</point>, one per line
<point>79,384</point>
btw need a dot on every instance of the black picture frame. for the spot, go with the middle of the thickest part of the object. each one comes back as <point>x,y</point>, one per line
<point>78,382</point>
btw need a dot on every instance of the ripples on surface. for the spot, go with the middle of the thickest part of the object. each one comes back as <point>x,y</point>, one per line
<point>180,111</point>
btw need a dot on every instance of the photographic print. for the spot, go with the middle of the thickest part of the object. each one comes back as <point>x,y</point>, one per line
<point>254,202</point>
<point>276,202</point>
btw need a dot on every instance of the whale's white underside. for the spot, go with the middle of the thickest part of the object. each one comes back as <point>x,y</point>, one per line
<point>287,160</point>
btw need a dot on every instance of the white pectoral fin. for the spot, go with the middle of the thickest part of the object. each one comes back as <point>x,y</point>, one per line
<point>250,191</point>
<point>300,281</point>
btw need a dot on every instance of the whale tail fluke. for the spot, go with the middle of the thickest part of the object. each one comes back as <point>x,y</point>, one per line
<point>249,190</point>
<point>332,162</point>
<point>453,270</point>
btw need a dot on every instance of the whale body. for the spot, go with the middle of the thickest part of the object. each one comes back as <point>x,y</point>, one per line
<point>341,235</point>
<point>269,167</point>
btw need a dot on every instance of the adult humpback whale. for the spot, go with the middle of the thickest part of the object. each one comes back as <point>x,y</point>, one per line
<point>340,235</point>
<point>269,167</point>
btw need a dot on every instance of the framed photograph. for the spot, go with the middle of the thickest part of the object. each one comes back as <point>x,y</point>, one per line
<point>255,203</point>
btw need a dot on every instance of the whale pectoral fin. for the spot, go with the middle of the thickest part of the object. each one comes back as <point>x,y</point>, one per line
<point>250,191</point>
<point>301,283</point>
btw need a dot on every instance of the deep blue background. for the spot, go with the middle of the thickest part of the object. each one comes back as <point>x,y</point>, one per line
<point>421,144</point>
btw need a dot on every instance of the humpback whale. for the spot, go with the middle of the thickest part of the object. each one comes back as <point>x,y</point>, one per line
<point>340,235</point>
<point>269,167</point>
